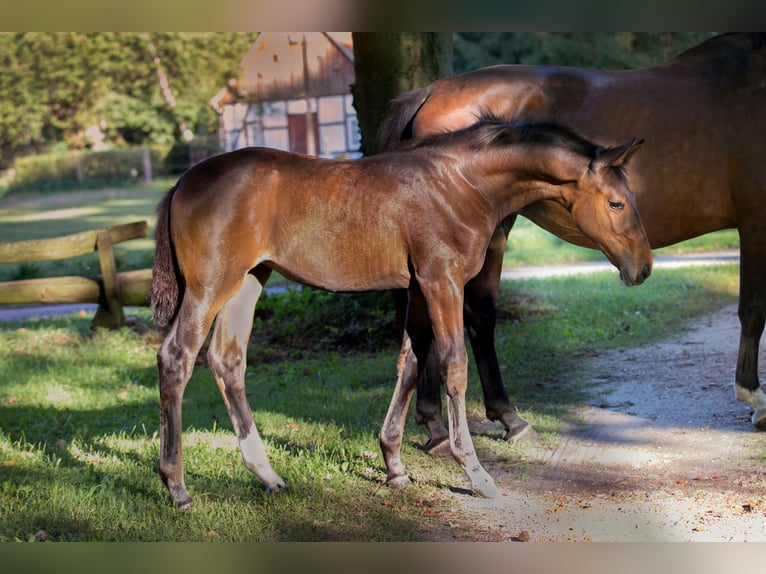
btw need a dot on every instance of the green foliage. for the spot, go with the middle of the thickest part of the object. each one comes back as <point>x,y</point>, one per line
<point>301,321</point>
<point>55,86</point>
<point>599,50</point>
<point>82,170</point>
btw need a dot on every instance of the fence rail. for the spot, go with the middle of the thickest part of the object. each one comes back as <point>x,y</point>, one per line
<point>112,290</point>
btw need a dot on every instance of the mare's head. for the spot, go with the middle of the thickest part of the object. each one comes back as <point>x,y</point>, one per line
<point>589,181</point>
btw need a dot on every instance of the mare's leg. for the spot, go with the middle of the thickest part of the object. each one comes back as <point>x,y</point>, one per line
<point>752,314</point>
<point>226,357</point>
<point>445,307</point>
<point>415,344</point>
<point>175,362</point>
<point>480,311</point>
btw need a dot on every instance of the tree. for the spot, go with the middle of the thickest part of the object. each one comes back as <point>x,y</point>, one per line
<point>599,50</point>
<point>390,63</point>
<point>56,85</point>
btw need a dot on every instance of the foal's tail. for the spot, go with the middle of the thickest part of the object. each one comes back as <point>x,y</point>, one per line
<point>397,124</point>
<point>166,286</point>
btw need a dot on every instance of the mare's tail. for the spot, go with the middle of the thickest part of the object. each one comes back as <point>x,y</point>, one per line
<point>166,286</point>
<point>397,124</point>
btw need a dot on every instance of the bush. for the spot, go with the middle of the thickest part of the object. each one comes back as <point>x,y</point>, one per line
<point>306,321</point>
<point>83,170</point>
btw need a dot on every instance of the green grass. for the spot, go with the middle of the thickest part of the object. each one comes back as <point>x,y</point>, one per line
<point>79,412</point>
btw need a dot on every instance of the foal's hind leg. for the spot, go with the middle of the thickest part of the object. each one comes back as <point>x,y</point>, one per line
<point>416,341</point>
<point>175,362</point>
<point>227,360</point>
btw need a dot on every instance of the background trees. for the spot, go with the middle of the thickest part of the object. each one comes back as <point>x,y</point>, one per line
<point>75,90</point>
<point>604,50</point>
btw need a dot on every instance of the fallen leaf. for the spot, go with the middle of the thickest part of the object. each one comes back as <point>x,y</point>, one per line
<point>428,512</point>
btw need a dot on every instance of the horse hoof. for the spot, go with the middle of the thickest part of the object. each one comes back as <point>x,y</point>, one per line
<point>278,487</point>
<point>486,489</point>
<point>398,482</point>
<point>185,504</point>
<point>180,496</point>
<point>525,433</point>
<point>183,501</point>
<point>438,447</point>
<point>759,419</point>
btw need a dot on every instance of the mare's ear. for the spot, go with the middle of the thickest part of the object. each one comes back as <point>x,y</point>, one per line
<point>616,156</point>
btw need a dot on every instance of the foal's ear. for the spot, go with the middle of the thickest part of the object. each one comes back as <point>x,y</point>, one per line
<point>618,155</point>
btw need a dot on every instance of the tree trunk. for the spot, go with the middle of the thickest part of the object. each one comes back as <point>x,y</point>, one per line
<point>390,63</point>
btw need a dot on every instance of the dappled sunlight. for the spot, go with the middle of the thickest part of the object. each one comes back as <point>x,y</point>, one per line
<point>70,213</point>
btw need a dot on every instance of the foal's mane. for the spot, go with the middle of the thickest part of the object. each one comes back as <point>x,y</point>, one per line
<point>490,132</point>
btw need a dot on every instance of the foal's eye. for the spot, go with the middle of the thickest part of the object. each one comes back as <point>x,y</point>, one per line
<point>616,205</point>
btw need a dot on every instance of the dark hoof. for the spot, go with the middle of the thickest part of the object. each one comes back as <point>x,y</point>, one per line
<point>523,432</point>
<point>438,447</point>
<point>759,420</point>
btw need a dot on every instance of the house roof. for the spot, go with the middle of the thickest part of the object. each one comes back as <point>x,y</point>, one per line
<point>283,65</point>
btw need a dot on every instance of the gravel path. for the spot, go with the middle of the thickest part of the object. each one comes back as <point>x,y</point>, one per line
<point>663,452</point>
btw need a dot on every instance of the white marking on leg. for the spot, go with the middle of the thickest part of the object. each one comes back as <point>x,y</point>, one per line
<point>757,400</point>
<point>256,460</point>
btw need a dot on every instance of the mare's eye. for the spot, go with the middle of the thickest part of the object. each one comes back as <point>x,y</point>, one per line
<point>616,205</point>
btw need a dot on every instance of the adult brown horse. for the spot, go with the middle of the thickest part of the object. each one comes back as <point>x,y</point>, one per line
<point>419,219</point>
<point>703,114</point>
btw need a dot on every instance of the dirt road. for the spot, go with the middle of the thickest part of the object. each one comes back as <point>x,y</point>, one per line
<point>663,453</point>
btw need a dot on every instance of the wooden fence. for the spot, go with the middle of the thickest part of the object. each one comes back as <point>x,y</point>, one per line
<point>111,290</point>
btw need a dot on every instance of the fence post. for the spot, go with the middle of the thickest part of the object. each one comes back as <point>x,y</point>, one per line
<point>109,313</point>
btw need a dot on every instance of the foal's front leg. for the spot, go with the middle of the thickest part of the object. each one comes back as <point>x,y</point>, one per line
<point>445,305</point>
<point>226,357</point>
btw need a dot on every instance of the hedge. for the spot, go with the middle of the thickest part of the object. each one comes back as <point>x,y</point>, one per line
<point>88,170</point>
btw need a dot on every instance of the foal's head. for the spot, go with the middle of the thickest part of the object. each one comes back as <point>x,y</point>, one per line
<point>590,182</point>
